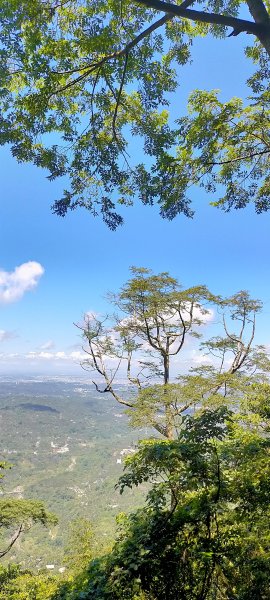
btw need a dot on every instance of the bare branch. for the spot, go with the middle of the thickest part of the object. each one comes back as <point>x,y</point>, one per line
<point>239,158</point>
<point>12,542</point>
<point>119,97</point>
<point>96,353</point>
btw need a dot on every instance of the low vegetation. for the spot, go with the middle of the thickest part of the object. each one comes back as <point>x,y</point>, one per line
<point>202,531</point>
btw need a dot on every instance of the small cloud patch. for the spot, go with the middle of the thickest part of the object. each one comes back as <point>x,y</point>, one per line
<point>14,284</point>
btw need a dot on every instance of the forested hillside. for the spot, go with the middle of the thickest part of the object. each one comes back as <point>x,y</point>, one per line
<point>67,447</point>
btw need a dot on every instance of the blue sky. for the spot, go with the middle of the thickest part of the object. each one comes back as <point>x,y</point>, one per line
<point>66,266</point>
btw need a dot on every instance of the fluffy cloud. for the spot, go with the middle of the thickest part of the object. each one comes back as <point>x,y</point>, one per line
<point>14,284</point>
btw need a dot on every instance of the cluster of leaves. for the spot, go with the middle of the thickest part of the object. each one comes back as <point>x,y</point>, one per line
<point>18,515</point>
<point>17,584</point>
<point>21,584</point>
<point>204,532</point>
<point>81,79</point>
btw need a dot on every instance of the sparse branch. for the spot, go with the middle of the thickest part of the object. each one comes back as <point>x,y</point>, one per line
<point>12,542</point>
<point>231,337</point>
<point>157,337</point>
<point>133,380</point>
<point>92,67</point>
<point>119,97</point>
<point>183,334</point>
<point>109,387</point>
<point>160,428</point>
<point>243,323</point>
<point>222,360</point>
<point>150,338</point>
<point>96,355</point>
<point>179,411</point>
<point>244,350</point>
<point>238,159</point>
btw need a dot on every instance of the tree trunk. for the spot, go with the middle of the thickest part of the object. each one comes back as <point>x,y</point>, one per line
<point>168,411</point>
<point>261,17</point>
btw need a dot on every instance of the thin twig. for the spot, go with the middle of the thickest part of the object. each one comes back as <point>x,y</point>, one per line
<point>119,96</point>
<point>239,158</point>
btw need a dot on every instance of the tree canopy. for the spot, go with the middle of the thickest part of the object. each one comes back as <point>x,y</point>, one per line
<point>212,542</point>
<point>143,344</point>
<point>18,515</point>
<point>81,79</point>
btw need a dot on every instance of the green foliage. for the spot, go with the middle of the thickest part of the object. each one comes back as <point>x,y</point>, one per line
<point>16,584</point>
<point>24,511</point>
<point>79,549</point>
<point>226,144</point>
<point>3,467</point>
<point>20,514</point>
<point>80,79</point>
<point>73,484</point>
<point>204,532</point>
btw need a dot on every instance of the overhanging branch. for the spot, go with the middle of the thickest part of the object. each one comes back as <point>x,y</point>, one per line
<point>204,17</point>
<point>90,68</point>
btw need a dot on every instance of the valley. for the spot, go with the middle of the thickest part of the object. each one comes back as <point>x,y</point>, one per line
<point>67,444</point>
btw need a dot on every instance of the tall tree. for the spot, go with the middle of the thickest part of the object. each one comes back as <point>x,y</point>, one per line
<point>80,78</point>
<point>155,319</point>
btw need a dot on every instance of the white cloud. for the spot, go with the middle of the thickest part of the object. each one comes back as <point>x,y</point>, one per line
<point>205,317</point>
<point>172,317</point>
<point>53,356</point>
<point>14,284</point>
<point>7,335</point>
<point>198,358</point>
<point>47,345</point>
<point>6,357</point>
<point>78,355</point>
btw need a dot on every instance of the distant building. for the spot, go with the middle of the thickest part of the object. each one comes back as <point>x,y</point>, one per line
<point>127,451</point>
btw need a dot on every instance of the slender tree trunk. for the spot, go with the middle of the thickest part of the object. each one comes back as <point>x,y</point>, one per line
<point>169,424</point>
<point>168,410</point>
